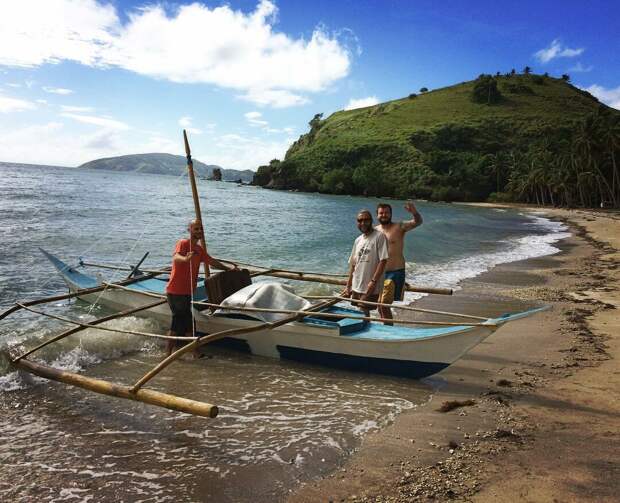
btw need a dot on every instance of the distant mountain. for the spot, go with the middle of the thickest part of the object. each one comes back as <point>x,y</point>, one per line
<point>163,164</point>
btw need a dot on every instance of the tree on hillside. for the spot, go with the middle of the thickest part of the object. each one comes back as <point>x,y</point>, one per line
<point>485,90</point>
<point>316,120</point>
<point>513,72</point>
<point>423,89</point>
<point>566,77</point>
<point>527,70</point>
<point>216,175</point>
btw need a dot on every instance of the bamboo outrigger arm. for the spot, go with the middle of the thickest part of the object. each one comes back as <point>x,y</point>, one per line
<point>106,388</point>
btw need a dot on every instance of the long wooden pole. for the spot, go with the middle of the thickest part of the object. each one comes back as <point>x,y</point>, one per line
<point>192,181</point>
<point>205,339</point>
<point>106,388</point>
<point>332,279</point>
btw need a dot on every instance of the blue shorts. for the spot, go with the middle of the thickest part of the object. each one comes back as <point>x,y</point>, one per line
<point>393,286</point>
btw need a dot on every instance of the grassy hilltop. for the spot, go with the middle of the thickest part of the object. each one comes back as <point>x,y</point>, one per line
<point>464,142</point>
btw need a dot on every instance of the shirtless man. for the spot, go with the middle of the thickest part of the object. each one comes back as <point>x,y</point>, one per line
<point>394,285</point>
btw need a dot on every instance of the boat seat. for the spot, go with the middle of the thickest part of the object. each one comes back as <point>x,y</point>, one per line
<point>223,284</point>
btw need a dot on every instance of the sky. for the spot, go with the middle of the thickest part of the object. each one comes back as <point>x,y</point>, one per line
<point>85,79</point>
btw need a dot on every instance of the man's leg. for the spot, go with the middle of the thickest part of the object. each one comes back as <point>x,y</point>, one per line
<point>170,343</point>
<point>387,297</point>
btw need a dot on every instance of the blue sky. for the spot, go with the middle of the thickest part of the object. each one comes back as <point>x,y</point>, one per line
<point>83,79</point>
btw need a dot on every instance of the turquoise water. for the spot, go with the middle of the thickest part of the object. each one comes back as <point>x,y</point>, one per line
<point>117,217</point>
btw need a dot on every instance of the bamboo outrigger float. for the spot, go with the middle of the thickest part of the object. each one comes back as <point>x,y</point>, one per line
<point>320,333</point>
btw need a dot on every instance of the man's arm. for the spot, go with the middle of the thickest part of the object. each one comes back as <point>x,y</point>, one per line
<point>177,257</point>
<point>416,221</point>
<point>375,277</point>
<point>347,289</point>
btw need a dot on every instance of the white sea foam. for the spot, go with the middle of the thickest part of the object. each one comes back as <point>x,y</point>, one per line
<point>449,275</point>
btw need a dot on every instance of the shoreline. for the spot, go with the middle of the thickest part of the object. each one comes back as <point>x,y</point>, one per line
<point>534,385</point>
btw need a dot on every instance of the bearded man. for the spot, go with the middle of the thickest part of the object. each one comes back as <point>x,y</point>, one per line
<point>394,284</point>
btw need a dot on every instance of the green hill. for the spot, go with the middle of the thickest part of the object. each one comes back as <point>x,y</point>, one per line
<point>163,164</point>
<point>462,142</point>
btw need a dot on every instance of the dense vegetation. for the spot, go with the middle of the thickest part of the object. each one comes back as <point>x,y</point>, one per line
<point>514,137</point>
<point>164,164</point>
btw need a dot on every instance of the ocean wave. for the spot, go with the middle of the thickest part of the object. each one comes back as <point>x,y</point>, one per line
<point>449,275</point>
<point>79,351</point>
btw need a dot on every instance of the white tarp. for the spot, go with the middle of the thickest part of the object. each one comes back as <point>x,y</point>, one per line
<point>265,295</point>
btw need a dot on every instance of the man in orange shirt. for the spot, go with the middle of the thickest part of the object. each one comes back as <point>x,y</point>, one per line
<point>186,260</point>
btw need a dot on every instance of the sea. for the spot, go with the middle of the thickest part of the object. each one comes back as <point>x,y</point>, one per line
<point>280,423</point>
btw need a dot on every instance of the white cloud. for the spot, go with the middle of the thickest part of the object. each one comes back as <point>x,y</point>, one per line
<point>187,43</point>
<point>579,68</point>
<point>254,118</point>
<point>61,144</point>
<point>58,90</point>
<point>186,123</point>
<point>14,105</point>
<point>362,102</point>
<point>610,97</point>
<point>556,50</point>
<point>13,84</point>
<point>239,152</point>
<point>274,98</point>
<point>104,122</point>
<point>74,109</point>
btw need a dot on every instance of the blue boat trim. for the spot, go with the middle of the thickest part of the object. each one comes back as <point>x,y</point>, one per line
<point>77,278</point>
<point>401,368</point>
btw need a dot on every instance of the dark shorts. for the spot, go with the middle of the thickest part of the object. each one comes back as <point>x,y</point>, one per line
<point>393,286</point>
<point>181,307</point>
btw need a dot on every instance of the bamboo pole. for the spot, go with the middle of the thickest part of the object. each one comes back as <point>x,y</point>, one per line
<point>86,291</point>
<point>107,388</point>
<point>393,306</point>
<point>192,180</point>
<point>205,339</point>
<point>71,331</point>
<point>328,278</point>
<point>335,280</point>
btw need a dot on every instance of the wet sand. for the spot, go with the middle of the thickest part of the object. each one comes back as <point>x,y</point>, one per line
<point>540,411</point>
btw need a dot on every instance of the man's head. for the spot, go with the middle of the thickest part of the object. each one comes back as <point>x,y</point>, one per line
<point>384,213</point>
<point>364,221</point>
<point>195,229</point>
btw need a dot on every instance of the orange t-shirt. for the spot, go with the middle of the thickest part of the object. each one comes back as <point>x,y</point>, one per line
<point>180,282</point>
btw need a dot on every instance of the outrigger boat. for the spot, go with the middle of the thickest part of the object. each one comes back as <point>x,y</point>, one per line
<point>267,319</point>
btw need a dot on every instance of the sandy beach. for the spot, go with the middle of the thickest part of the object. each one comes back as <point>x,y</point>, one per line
<point>533,413</point>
